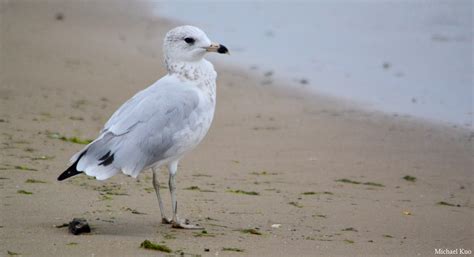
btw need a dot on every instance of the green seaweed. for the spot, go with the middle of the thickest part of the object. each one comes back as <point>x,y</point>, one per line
<point>243,192</point>
<point>375,184</point>
<point>75,140</point>
<point>409,178</point>
<point>72,243</point>
<point>349,241</point>
<point>111,189</point>
<point>23,167</point>
<point>349,181</point>
<point>296,204</point>
<point>263,173</point>
<point>350,229</point>
<point>345,180</point>
<point>448,204</point>
<point>201,175</point>
<point>31,180</point>
<point>387,236</point>
<point>105,197</point>
<point>153,246</point>
<point>21,191</point>
<point>232,249</point>
<point>196,188</point>
<point>12,253</point>
<point>149,189</point>
<point>317,193</point>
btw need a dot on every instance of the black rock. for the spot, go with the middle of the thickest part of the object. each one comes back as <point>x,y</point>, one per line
<point>78,226</point>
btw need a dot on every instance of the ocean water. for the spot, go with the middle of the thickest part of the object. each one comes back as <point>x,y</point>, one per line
<point>406,57</point>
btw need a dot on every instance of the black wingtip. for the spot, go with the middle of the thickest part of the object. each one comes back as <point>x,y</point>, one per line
<point>71,171</point>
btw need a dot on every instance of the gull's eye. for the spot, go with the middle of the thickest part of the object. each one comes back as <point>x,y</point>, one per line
<point>189,40</point>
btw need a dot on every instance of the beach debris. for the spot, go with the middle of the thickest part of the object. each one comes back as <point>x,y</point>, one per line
<point>409,178</point>
<point>78,226</point>
<point>252,231</point>
<point>386,65</point>
<point>276,225</point>
<point>232,249</point>
<point>387,236</point>
<point>147,244</point>
<point>448,204</point>
<point>349,181</point>
<point>408,213</point>
<point>24,192</point>
<point>349,241</point>
<point>192,188</point>
<point>243,192</point>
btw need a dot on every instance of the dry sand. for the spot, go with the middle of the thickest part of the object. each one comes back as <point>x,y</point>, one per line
<point>66,67</point>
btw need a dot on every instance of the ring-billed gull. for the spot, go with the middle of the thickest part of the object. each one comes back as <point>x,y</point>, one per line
<point>161,123</point>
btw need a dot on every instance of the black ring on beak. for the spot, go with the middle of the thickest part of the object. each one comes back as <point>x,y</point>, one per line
<point>222,49</point>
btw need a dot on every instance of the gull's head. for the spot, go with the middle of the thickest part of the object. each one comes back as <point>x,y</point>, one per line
<point>189,44</point>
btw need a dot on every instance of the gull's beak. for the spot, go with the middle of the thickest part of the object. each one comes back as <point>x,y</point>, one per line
<point>218,48</point>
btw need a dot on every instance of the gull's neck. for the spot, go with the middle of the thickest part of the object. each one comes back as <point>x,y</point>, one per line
<point>201,70</point>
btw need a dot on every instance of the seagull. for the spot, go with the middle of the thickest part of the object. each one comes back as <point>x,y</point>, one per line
<point>161,123</point>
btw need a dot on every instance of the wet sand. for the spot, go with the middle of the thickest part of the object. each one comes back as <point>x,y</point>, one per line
<point>330,174</point>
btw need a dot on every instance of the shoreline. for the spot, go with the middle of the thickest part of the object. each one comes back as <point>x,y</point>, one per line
<point>330,174</point>
<point>362,66</point>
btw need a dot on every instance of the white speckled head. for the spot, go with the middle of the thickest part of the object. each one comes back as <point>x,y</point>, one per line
<point>188,44</point>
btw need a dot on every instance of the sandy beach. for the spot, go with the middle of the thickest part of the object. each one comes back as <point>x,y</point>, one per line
<point>338,180</point>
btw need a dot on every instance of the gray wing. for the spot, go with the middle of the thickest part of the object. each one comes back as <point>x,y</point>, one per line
<point>141,131</point>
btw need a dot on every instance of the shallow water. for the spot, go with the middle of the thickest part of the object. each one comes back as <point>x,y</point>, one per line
<point>406,57</point>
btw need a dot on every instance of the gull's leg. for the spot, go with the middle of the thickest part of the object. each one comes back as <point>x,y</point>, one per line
<point>156,185</point>
<point>176,222</point>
